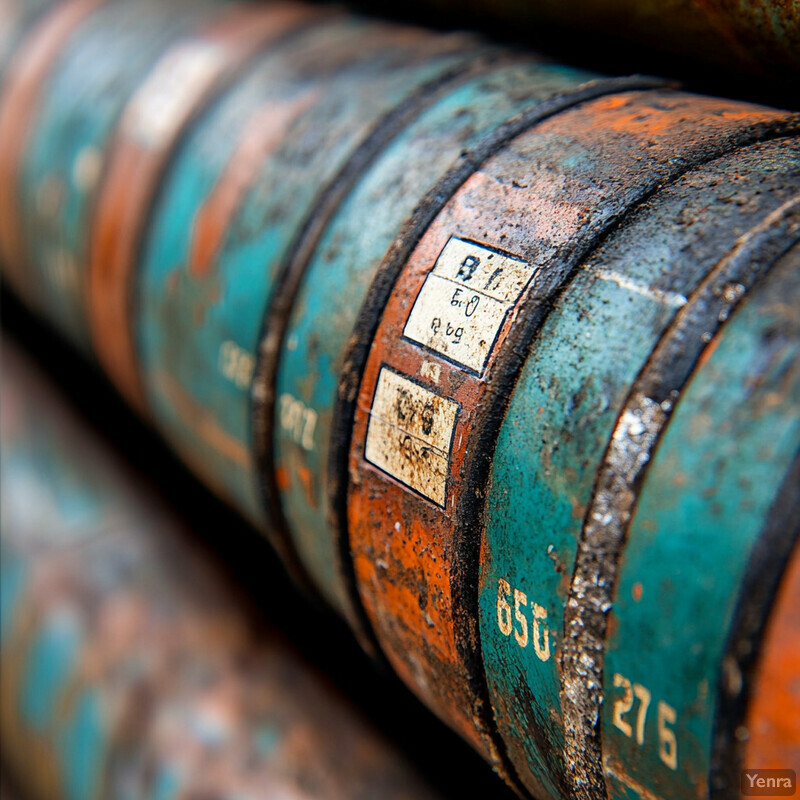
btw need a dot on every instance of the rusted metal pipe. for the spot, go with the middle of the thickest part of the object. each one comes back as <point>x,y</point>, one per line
<point>127,669</point>
<point>428,318</point>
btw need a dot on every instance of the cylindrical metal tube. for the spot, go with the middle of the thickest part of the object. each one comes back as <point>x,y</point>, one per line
<point>127,670</point>
<point>426,311</point>
<point>63,96</point>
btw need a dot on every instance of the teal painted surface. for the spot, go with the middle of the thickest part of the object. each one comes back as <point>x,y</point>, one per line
<point>51,662</point>
<point>82,748</point>
<point>13,579</point>
<point>714,476</point>
<point>345,261</point>
<point>562,415</point>
<point>354,72</point>
<point>166,784</point>
<point>105,60</point>
<point>17,20</point>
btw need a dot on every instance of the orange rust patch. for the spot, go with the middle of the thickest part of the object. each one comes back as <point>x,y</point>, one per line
<point>261,136</point>
<point>774,710</point>
<point>404,573</point>
<point>283,478</point>
<point>637,592</point>
<point>27,73</point>
<point>307,480</point>
<point>135,166</point>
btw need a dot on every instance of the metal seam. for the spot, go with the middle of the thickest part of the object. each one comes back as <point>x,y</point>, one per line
<point>636,435</point>
<point>368,321</point>
<point>278,312</point>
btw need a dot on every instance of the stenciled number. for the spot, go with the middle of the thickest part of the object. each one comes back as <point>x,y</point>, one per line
<point>539,632</point>
<point>667,741</point>
<point>236,364</point>
<point>298,421</point>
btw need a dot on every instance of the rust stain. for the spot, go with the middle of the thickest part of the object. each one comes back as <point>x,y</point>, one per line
<point>21,88</point>
<point>132,176</point>
<point>774,709</point>
<point>201,422</point>
<point>261,136</point>
<point>283,477</point>
<point>307,479</point>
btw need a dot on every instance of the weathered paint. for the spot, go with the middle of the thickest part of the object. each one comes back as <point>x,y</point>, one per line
<point>340,271</point>
<point>469,170</point>
<point>713,478</point>
<point>71,114</point>
<point>21,86</point>
<point>222,225</point>
<point>577,376</point>
<point>771,737</point>
<point>161,686</point>
<point>183,81</point>
<point>559,186</point>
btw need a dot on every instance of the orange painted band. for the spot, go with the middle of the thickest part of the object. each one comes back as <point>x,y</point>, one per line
<point>773,735</point>
<point>29,69</point>
<point>412,543</point>
<point>151,125</point>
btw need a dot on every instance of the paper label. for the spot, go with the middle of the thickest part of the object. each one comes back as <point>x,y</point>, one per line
<point>167,98</point>
<point>410,433</point>
<point>464,301</point>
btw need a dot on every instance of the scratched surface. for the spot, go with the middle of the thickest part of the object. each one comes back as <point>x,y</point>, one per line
<point>559,186</point>
<point>735,431</point>
<point>222,226</point>
<point>74,116</point>
<point>128,669</point>
<point>346,260</point>
<point>440,300</point>
<point>569,394</point>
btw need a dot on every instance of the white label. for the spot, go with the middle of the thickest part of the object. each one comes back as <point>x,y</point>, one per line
<point>177,83</point>
<point>464,300</point>
<point>409,435</point>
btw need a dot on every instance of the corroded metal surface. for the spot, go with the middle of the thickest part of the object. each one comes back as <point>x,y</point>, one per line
<point>128,671</point>
<point>184,80</point>
<point>736,432</point>
<point>414,521</point>
<point>314,345</point>
<point>84,61</point>
<point>568,398</point>
<point>430,313</point>
<point>222,225</point>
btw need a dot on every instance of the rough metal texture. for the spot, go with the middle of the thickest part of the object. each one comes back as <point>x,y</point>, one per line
<point>559,186</point>
<point>128,669</point>
<point>641,422</point>
<point>463,290</point>
<point>184,81</point>
<point>63,97</point>
<point>711,487</point>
